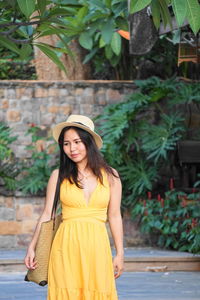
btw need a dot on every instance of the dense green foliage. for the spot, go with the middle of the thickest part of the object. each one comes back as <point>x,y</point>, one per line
<point>94,24</point>
<point>140,135</point>
<point>183,10</point>
<point>37,170</point>
<point>173,221</point>
<point>8,166</point>
<point>142,142</point>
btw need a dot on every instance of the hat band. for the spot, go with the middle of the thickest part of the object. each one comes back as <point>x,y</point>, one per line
<point>82,124</point>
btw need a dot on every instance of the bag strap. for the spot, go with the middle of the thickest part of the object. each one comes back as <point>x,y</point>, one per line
<point>56,199</point>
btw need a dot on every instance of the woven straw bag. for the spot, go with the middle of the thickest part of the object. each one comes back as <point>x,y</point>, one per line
<point>43,247</point>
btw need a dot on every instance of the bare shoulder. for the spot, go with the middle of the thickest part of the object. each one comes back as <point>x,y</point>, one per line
<point>114,178</point>
<point>54,175</point>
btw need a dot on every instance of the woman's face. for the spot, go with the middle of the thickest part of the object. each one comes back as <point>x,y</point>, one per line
<point>73,147</point>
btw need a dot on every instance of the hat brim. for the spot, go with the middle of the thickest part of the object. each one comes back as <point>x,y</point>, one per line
<point>59,127</point>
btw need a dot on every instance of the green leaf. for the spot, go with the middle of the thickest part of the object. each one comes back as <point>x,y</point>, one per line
<point>83,11</point>
<point>90,55</point>
<point>119,8</point>
<point>137,5</point>
<point>108,3</point>
<point>193,14</point>
<point>165,13</point>
<point>9,45</point>
<point>107,31</point>
<point>98,4</point>
<point>27,7</point>
<point>101,43</point>
<point>108,52</point>
<point>85,40</point>
<point>180,10</point>
<point>116,43</point>
<point>46,49</point>
<point>155,8</point>
<point>25,51</point>
<point>42,5</point>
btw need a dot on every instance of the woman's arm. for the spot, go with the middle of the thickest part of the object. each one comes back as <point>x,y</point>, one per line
<point>45,216</point>
<point>115,222</point>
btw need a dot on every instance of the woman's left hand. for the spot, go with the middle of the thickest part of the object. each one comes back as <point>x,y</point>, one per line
<point>118,265</point>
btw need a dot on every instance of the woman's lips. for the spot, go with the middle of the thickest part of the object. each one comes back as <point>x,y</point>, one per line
<point>74,155</point>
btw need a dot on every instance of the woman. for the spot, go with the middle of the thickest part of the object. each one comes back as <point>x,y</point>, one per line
<point>80,266</point>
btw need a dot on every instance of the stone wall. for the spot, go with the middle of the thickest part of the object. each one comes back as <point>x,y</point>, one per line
<point>19,215</point>
<point>45,104</point>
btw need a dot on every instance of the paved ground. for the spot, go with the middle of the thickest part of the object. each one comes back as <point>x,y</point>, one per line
<point>129,252</point>
<point>130,286</point>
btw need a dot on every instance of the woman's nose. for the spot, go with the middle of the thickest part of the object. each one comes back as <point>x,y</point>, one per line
<point>72,146</point>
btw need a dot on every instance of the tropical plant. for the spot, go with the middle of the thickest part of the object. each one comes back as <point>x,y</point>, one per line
<point>184,10</point>
<point>95,24</point>
<point>8,165</point>
<point>37,170</point>
<point>172,220</point>
<point>141,133</point>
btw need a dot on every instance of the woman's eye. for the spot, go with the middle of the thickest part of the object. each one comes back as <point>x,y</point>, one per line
<point>65,144</point>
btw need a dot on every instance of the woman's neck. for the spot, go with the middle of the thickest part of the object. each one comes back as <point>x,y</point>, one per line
<point>82,166</point>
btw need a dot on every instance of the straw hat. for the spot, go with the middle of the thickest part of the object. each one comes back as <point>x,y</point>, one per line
<point>79,121</point>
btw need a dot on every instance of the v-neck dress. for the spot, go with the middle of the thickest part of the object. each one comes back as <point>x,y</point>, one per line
<point>80,266</point>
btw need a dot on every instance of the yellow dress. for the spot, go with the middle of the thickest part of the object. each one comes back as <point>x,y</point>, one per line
<point>80,266</point>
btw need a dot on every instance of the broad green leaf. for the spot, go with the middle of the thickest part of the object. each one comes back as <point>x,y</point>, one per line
<point>165,13</point>
<point>9,45</point>
<point>42,5</point>
<point>25,31</point>
<point>85,40</point>
<point>51,54</point>
<point>68,2</point>
<point>90,55</point>
<point>81,14</point>
<point>118,1</point>
<point>137,5</point>
<point>114,60</point>
<point>119,8</point>
<point>155,8</point>
<point>107,31</point>
<point>108,52</point>
<point>98,4</point>
<point>66,45</point>
<point>27,7</point>
<point>193,14</point>
<point>61,11</point>
<point>25,51</point>
<point>180,10</point>
<point>108,3</point>
<point>116,43</point>
<point>101,43</point>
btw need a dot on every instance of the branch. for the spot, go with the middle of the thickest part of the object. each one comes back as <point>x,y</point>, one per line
<point>19,24</point>
<point>17,41</point>
<point>9,31</point>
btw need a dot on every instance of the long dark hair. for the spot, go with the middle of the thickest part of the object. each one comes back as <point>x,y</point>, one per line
<point>95,161</point>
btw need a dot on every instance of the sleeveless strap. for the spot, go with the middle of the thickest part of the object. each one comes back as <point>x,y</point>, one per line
<point>56,199</point>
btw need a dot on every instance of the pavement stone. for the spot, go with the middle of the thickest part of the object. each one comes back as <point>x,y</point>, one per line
<point>130,286</point>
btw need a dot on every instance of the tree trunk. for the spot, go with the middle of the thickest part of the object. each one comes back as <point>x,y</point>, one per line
<point>47,70</point>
